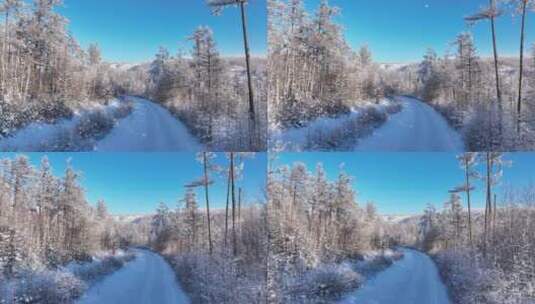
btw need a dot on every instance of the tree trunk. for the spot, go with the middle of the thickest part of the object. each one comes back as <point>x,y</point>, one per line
<point>207,202</point>
<point>520,77</point>
<point>252,116</point>
<point>496,67</point>
<point>233,195</point>
<point>239,204</point>
<point>4,53</point>
<point>469,202</point>
<point>226,208</point>
<point>488,204</point>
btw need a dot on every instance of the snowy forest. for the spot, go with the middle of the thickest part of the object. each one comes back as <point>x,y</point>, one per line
<point>484,256</point>
<point>55,246</point>
<point>314,73</point>
<point>219,255</point>
<point>311,239</point>
<point>325,246</point>
<point>47,81</point>
<point>335,94</point>
<point>322,242</point>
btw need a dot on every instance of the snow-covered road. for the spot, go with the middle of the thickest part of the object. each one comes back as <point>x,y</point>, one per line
<point>147,279</point>
<point>418,127</point>
<point>412,280</point>
<point>149,128</point>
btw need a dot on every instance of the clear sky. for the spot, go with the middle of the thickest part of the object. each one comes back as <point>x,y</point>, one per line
<point>135,183</point>
<point>132,31</point>
<point>401,31</point>
<point>404,183</point>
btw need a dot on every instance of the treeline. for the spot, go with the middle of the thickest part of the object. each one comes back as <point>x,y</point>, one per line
<point>44,74</point>
<point>312,70</point>
<point>484,256</point>
<point>219,255</point>
<point>209,93</point>
<point>45,221</point>
<point>490,99</point>
<point>315,224</point>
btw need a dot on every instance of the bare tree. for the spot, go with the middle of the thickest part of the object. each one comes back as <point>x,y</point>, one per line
<point>217,6</point>
<point>523,4</point>
<point>206,182</point>
<point>468,161</point>
<point>491,13</point>
<point>522,7</point>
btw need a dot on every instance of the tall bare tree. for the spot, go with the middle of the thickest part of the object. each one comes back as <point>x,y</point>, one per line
<point>491,13</point>
<point>217,6</point>
<point>522,7</point>
<point>206,183</point>
<point>468,161</point>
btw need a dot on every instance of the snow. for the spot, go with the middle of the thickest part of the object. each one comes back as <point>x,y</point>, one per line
<point>40,136</point>
<point>418,127</point>
<point>150,127</point>
<point>147,279</point>
<point>297,139</point>
<point>412,280</point>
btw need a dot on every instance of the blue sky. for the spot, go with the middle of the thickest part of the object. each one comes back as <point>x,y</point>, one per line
<point>401,31</point>
<point>135,183</point>
<point>132,31</point>
<point>404,183</point>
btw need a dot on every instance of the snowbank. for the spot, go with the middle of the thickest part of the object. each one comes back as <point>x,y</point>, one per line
<point>218,278</point>
<point>62,285</point>
<point>472,281</point>
<point>373,262</point>
<point>327,283</point>
<point>324,282</point>
<point>334,133</point>
<point>74,134</point>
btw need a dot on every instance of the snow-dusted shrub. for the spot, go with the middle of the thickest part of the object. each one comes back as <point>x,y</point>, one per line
<point>451,113</point>
<point>124,109</point>
<point>91,272</point>
<point>98,123</point>
<point>372,264</point>
<point>14,117</point>
<point>472,281</point>
<point>323,283</point>
<point>42,287</point>
<point>334,133</point>
<point>346,134</point>
<point>218,278</point>
<point>94,124</point>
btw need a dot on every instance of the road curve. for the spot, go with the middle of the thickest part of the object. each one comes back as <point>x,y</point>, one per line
<point>149,128</point>
<point>417,128</point>
<point>412,280</point>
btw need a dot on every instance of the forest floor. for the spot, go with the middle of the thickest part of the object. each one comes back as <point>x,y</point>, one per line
<point>144,126</point>
<point>413,279</point>
<point>147,279</point>
<point>418,127</point>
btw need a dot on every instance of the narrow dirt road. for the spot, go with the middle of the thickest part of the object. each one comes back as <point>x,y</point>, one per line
<point>149,128</point>
<point>147,279</point>
<point>412,280</point>
<point>418,127</point>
